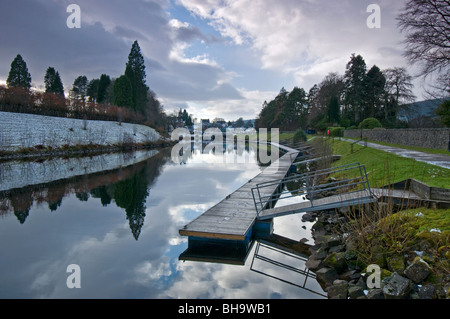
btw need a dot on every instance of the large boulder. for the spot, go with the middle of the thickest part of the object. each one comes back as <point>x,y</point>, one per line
<point>336,261</point>
<point>355,292</point>
<point>338,290</point>
<point>326,276</point>
<point>314,264</point>
<point>418,271</point>
<point>397,287</point>
<point>376,293</point>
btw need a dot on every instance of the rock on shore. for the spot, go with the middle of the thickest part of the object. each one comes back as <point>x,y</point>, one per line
<point>343,277</point>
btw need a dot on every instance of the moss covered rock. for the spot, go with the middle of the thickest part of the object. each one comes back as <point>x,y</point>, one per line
<point>396,263</point>
<point>336,261</point>
<point>418,271</point>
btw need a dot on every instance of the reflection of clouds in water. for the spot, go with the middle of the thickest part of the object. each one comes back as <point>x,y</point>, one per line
<point>147,271</point>
<point>220,281</point>
<point>114,264</point>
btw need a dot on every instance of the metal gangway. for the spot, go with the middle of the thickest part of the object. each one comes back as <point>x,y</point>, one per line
<point>330,188</point>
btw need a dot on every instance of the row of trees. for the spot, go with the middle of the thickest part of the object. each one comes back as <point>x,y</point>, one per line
<point>344,100</point>
<point>348,99</point>
<point>126,98</point>
<point>362,93</point>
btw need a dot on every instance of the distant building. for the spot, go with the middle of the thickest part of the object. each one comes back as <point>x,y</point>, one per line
<point>219,120</point>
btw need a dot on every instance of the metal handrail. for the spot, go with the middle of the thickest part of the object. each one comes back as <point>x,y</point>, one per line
<point>314,173</point>
<point>262,200</point>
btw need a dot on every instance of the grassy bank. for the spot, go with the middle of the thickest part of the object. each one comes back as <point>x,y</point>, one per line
<point>384,168</point>
<point>392,239</point>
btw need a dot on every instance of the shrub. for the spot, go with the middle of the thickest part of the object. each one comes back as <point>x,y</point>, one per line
<point>299,136</point>
<point>370,123</point>
<point>336,131</point>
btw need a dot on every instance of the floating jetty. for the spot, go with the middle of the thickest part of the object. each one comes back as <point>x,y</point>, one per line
<point>225,232</point>
<point>230,224</point>
<point>234,217</point>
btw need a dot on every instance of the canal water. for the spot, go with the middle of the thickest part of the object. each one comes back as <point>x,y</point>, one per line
<point>117,216</point>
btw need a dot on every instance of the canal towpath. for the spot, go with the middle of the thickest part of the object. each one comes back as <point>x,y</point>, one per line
<point>440,160</point>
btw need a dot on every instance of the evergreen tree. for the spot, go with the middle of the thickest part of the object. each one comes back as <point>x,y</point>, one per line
<point>92,90</point>
<point>79,88</point>
<point>53,83</point>
<point>374,89</point>
<point>135,71</point>
<point>103,84</point>
<point>123,92</point>
<point>444,113</point>
<point>354,78</point>
<point>18,75</point>
<point>296,109</point>
<point>333,111</point>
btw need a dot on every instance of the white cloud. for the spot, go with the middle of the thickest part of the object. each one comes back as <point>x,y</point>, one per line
<point>230,109</point>
<point>257,45</point>
<point>294,36</point>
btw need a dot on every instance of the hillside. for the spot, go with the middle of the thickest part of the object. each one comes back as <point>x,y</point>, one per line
<point>22,131</point>
<point>427,108</point>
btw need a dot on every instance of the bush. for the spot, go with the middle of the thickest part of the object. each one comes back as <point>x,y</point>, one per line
<point>370,123</point>
<point>345,122</point>
<point>336,131</point>
<point>299,136</point>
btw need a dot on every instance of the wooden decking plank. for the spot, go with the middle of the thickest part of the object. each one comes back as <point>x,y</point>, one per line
<point>234,216</point>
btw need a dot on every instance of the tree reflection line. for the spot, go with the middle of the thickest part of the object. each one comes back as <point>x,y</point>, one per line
<point>128,187</point>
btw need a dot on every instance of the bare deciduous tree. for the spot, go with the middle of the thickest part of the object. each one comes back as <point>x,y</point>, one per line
<point>399,85</point>
<point>427,27</point>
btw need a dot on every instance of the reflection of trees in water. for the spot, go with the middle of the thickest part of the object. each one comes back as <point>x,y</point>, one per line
<point>131,195</point>
<point>128,187</point>
<point>102,192</point>
<point>294,185</point>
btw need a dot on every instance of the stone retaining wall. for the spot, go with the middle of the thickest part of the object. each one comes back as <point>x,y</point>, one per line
<point>435,138</point>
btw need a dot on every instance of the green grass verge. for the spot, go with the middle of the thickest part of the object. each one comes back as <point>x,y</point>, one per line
<point>398,237</point>
<point>384,168</point>
<point>413,148</point>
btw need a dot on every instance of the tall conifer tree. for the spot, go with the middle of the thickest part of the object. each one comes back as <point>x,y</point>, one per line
<point>135,72</point>
<point>18,75</point>
<point>53,83</point>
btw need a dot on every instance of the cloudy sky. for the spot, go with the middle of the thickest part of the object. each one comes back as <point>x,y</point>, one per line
<point>216,58</point>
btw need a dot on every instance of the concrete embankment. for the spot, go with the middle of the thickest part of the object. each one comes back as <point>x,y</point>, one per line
<point>30,136</point>
<point>24,131</point>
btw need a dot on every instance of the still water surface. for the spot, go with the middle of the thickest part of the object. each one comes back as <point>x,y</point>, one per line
<point>120,225</point>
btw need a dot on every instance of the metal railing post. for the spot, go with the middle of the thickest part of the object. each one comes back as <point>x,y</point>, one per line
<point>308,190</point>
<point>254,201</point>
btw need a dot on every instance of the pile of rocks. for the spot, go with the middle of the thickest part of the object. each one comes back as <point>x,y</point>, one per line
<point>342,276</point>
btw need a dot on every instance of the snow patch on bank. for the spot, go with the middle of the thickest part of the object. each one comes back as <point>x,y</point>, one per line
<point>18,131</point>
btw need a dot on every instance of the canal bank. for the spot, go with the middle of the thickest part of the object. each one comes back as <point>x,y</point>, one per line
<point>31,135</point>
<point>367,266</point>
<point>403,240</point>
